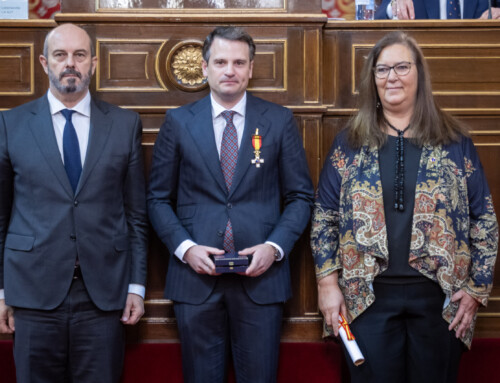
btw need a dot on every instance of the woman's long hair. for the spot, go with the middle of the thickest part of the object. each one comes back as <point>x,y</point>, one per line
<point>429,124</point>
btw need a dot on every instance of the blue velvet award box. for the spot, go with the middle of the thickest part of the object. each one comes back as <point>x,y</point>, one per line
<point>230,263</point>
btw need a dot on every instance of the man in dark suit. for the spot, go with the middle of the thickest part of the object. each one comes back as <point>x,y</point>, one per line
<point>210,192</point>
<point>433,9</point>
<point>73,226</point>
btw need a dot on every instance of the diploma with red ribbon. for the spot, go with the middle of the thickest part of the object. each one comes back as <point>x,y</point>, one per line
<point>350,342</point>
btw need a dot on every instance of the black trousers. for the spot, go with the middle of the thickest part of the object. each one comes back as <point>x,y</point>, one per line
<point>74,343</point>
<point>229,320</point>
<point>404,338</point>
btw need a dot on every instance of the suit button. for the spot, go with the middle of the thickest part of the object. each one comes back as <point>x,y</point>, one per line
<point>229,205</point>
<point>75,203</point>
<point>72,237</point>
<point>220,233</point>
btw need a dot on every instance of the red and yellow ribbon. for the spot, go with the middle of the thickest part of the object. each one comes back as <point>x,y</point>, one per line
<point>343,323</point>
<point>257,140</point>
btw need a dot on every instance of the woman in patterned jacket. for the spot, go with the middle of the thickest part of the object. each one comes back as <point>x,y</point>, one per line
<point>404,234</point>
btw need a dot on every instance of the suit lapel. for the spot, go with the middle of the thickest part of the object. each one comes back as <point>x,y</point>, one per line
<point>202,132</point>
<point>254,119</point>
<point>100,126</point>
<point>43,130</point>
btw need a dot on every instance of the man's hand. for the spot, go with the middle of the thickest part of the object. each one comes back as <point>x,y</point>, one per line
<point>262,259</point>
<point>466,310</point>
<point>198,258</point>
<point>331,301</point>
<point>134,309</point>
<point>404,9</point>
<point>495,14</point>
<point>6,318</point>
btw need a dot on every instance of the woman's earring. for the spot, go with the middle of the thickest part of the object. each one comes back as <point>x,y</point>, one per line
<point>378,105</point>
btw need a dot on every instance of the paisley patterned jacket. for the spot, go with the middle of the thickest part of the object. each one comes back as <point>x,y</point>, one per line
<point>454,232</point>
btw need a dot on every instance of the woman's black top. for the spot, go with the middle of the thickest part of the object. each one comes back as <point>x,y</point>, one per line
<point>399,223</point>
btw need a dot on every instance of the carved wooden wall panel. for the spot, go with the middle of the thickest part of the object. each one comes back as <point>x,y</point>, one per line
<point>150,63</point>
<point>464,69</point>
<point>155,68</point>
<point>463,62</point>
<point>21,76</point>
<point>18,73</point>
<point>129,65</point>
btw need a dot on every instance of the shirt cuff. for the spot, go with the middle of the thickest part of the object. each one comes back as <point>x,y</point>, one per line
<point>182,248</point>
<point>282,254</point>
<point>137,289</point>
<point>2,294</point>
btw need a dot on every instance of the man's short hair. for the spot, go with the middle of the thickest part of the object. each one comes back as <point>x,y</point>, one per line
<point>228,33</point>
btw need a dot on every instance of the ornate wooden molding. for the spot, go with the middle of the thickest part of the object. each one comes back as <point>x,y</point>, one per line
<point>226,18</point>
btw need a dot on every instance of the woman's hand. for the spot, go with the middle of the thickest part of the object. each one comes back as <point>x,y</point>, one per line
<point>331,300</point>
<point>466,311</point>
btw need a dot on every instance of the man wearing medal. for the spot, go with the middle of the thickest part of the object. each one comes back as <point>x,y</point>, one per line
<point>229,174</point>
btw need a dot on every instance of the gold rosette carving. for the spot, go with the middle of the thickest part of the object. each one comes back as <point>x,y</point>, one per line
<point>184,66</point>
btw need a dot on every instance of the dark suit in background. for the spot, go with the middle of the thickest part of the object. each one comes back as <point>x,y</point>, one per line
<point>67,322</point>
<point>188,200</point>
<point>429,9</point>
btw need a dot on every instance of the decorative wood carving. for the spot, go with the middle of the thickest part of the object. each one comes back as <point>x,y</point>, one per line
<point>148,63</point>
<point>17,76</point>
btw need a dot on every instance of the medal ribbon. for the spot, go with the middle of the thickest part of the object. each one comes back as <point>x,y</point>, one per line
<point>257,140</point>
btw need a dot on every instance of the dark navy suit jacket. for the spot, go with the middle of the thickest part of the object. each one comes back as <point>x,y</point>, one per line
<point>188,199</point>
<point>429,9</point>
<point>44,225</point>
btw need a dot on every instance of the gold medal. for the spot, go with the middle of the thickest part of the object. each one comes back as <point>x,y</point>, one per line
<point>257,144</point>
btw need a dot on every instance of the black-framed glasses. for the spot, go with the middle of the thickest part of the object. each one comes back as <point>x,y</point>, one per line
<point>401,69</point>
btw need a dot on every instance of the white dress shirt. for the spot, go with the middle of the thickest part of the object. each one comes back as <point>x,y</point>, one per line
<point>80,119</point>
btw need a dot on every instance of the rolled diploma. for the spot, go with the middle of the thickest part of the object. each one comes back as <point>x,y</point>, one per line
<point>350,342</point>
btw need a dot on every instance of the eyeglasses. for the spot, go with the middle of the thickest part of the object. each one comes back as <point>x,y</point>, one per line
<point>401,69</point>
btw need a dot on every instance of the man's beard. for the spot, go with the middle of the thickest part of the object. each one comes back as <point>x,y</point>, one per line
<point>72,87</point>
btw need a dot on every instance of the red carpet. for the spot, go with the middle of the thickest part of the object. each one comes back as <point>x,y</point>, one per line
<point>299,363</point>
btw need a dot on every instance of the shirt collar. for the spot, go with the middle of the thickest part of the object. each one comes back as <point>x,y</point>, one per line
<point>239,108</point>
<point>83,107</point>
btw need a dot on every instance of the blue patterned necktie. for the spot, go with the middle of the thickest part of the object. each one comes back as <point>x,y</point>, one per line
<point>71,150</point>
<point>228,158</point>
<point>453,9</point>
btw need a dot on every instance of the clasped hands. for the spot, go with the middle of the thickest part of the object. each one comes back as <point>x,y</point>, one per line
<point>198,257</point>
